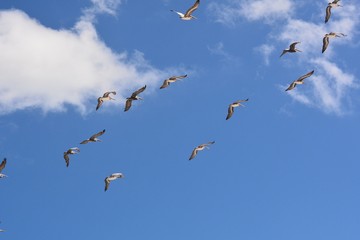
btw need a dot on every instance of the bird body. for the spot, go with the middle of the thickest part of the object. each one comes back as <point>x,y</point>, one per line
<point>331,5</point>
<point>134,96</point>
<point>187,16</point>
<point>172,79</point>
<point>292,48</point>
<point>112,177</point>
<point>94,138</point>
<point>300,80</point>
<point>71,151</point>
<point>200,148</point>
<point>326,39</point>
<point>105,97</point>
<point>2,166</point>
<point>234,105</point>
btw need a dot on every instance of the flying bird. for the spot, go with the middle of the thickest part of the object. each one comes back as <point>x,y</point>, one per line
<point>171,80</point>
<point>2,166</point>
<point>327,37</point>
<point>105,97</point>
<point>187,15</point>
<point>234,105</point>
<point>328,9</point>
<point>94,138</point>
<point>199,148</point>
<point>292,48</point>
<point>133,96</point>
<point>112,177</point>
<point>300,80</point>
<point>73,150</point>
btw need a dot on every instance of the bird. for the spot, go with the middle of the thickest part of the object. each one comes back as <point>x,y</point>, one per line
<point>2,166</point>
<point>171,80</point>
<point>233,105</point>
<point>199,148</point>
<point>327,37</point>
<point>299,80</point>
<point>134,96</point>
<point>94,138</point>
<point>328,9</point>
<point>292,48</point>
<point>2,230</point>
<point>187,15</point>
<point>112,177</point>
<point>73,150</point>
<point>105,97</point>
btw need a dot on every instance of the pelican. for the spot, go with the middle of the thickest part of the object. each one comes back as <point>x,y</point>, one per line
<point>73,150</point>
<point>328,9</point>
<point>292,48</point>
<point>199,148</point>
<point>300,80</point>
<point>187,15</point>
<point>233,105</point>
<point>133,97</point>
<point>105,97</point>
<point>94,138</point>
<point>327,37</point>
<point>171,80</point>
<point>112,177</point>
<point>2,166</point>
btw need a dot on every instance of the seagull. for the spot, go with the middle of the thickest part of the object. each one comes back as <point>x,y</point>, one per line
<point>187,15</point>
<point>133,97</point>
<point>94,138</point>
<point>112,177</point>
<point>299,80</point>
<point>233,105</point>
<point>105,97</point>
<point>171,80</point>
<point>326,39</point>
<point>328,9</point>
<point>2,166</point>
<point>292,49</point>
<point>199,148</point>
<point>73,150</point>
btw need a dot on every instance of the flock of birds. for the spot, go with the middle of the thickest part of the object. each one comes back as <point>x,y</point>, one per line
<point>107,96</point>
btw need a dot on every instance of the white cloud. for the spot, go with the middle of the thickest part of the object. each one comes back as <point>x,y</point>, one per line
<point>265,50</point>
<point>48,69</point>
<point>269,10</point>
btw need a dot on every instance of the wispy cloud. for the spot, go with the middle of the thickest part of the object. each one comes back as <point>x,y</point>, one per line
<point>219,50</point>
<point>265,50</point>
<point>49,69</point>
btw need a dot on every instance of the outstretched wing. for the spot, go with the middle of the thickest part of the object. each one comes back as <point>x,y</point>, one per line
<point>128,104</point>
<point>193,154</point>
<point>305,76</point>
<point>107,183</point>
<point>192,9</point>
<point>137,92</point>
<point>292,46</point>
<point>292,86</point>
<point>165,84</point>
<point>67,159</point>
<point>100,101</point>
<point>230,112</point>
<point>85,141</point>
<point>2,165</point>
<point>328,13</point>
<point>98,134</point>
<point>325,43</point>
<point>178,77</point>
<point>108,93</point>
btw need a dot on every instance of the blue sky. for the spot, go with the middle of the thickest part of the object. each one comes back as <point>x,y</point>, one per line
<point>285,166</point>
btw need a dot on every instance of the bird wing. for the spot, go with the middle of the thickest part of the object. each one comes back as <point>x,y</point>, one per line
<point>67,159</point>
<point>85,141</point>
<point>165,84</point>
<point>192,9</point>
<point>75,149</point>
<point>108,93</point>
<point>98,134</point>
<point>117,175</point>
<point>179,77</point>
<point>107,183</point>
<point>292,46</point>
<point>193,154</point>
<point>137,92</point>
<point>209,143</point>
<point>305,76</point>
<point>325,43</point>
<point>292,86</point>
<point>128,104</point>
<point>178,13</point>
<point>230,112</point>
<point>100,101</point>
<point>328,13</point>
<point>284,51</point>
<point>2,165</point>
<point>244,100</point>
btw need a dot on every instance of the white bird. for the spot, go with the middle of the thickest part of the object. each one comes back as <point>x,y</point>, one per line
<point>187,15</point>
<point>233,105</point>
<point>292,48</point>
<point>73,150</point>
<point>327,37</point>
<point>200,148</point>
<point>300,80</point>
<point>112,177</point>
<point>328,9</point>
<point>94,138</point>
<point>134,96</point>
<point>171,80</point>
<point>2,166</point>
<point>105,97</point>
